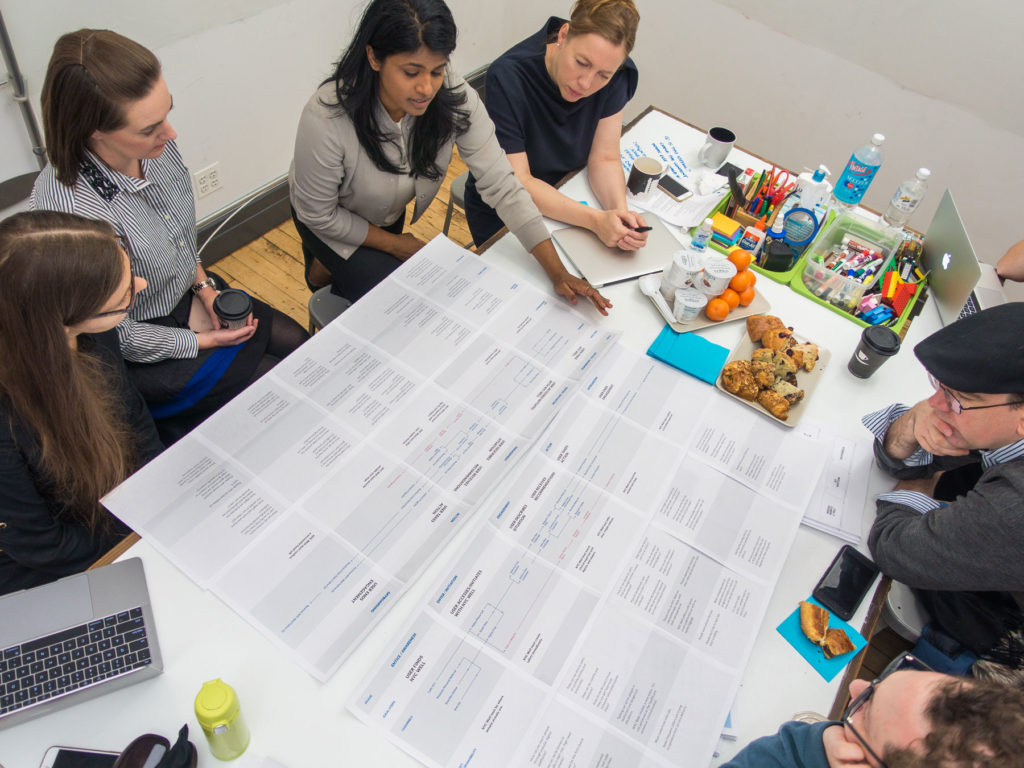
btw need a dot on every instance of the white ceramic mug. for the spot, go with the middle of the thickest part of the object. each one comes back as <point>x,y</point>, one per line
<point>717,146</point>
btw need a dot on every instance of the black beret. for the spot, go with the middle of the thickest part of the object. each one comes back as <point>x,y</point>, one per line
<point>982,353</point>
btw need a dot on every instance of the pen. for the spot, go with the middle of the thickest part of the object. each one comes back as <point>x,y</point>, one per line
<point>641,229</point>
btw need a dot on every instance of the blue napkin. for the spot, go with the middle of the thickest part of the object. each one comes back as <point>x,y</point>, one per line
<point>827,668</point>
<point>690,353</point>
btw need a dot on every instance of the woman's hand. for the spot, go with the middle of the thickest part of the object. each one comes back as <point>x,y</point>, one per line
<point>224,337</point>
<point>616,229</point>
<point>570,287</point>
<point>405,245</point>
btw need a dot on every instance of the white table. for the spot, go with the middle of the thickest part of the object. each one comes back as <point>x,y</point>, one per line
<point>301,723</point>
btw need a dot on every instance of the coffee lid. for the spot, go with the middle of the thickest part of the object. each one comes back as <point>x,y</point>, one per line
<point>884,341</point>
<point>232,304</point>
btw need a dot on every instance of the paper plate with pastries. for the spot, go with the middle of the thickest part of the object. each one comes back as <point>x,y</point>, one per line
<point>774,369</point>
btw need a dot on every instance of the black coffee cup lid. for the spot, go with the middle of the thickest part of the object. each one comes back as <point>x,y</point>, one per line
<point>883,340</point>
<point>232,304</point>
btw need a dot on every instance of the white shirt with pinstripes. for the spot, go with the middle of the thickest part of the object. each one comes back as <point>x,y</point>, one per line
<point>157,216</point>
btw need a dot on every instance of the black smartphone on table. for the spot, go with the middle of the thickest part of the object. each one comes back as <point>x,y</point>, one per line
<point>70,757</point>
<point>846,582</point>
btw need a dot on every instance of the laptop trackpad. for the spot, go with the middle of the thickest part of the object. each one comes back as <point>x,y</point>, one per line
<point>44,610</point>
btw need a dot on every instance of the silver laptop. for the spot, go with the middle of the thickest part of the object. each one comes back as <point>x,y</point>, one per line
<point>603,265</point>
<point>75,639</point>
<point>959,283</point>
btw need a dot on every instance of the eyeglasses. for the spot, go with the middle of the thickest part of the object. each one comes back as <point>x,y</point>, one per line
<point>131,286</point>
<point>906,661</point>
<point>956,406</point>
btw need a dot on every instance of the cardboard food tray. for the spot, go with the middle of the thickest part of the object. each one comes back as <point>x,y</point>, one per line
<point>758,306</point>
<point>806,380</point>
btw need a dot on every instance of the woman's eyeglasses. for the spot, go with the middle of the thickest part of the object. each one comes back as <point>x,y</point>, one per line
<point>131,286</point>
<point>906,661</point>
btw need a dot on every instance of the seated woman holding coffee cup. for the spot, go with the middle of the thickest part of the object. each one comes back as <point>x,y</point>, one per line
<point>114,156</point>
<point>556,100</point>
<point>72,426</point>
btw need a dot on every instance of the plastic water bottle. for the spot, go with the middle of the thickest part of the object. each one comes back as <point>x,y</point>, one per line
<point>701,238</point>
<point>907,198</point>
<point>859,173</point>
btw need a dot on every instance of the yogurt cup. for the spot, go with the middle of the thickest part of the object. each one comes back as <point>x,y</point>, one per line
<point>689,302</point>
<point>683,272</point>
<point>717,274</point>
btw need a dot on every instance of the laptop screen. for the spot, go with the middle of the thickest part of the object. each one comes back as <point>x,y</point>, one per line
<point>949,260</point>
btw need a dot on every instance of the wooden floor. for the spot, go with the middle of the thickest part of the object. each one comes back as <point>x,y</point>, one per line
<point>270,267</point>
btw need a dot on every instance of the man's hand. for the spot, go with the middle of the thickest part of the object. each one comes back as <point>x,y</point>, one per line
<point>843,752</point>
<point>923,426</point>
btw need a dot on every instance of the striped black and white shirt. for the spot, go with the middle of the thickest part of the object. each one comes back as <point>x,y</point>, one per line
<point>157,216</point>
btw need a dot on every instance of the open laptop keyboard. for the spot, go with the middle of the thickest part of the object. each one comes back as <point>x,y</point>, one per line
<point>970,308</point>
<point>74,658</point>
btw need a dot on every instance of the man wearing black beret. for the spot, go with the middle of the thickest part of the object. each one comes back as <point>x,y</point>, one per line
<point>953,528</point>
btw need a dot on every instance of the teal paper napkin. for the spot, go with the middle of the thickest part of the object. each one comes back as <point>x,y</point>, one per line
<point>690,353</point>
<point>827,668</point>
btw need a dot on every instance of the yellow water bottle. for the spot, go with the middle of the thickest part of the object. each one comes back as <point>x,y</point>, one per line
<point>220,717</point>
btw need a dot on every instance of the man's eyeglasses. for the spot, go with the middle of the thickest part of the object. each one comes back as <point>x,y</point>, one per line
<point>956,406</point>
<point>131,285</point>
<point>906,661</point>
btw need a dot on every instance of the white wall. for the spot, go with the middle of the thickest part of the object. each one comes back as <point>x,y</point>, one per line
<point>800,81</point>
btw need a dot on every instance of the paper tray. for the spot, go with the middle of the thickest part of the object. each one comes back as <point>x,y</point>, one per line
<point>759,306</point>
<point>806,380</point>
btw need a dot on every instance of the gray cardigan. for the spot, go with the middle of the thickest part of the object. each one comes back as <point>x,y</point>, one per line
<point>337,191</point>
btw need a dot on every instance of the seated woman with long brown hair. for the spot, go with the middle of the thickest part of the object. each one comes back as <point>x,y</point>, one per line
<point>72,426</point>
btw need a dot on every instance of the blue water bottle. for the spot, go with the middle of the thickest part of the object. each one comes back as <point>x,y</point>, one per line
<point>859,173</point>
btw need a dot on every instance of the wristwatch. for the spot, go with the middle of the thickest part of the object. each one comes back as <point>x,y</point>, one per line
<point>197,288</point>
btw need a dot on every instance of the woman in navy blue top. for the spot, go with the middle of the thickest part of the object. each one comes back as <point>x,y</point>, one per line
<point>556,100</point>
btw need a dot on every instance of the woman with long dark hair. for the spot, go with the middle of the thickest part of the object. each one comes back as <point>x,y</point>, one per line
<point>114,156</point>
<point>379,133</point>
<point>71,424</point>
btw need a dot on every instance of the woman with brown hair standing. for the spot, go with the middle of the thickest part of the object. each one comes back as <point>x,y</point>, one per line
<point>556,100</point>
<point>113,156</point>
<point>71,424</point>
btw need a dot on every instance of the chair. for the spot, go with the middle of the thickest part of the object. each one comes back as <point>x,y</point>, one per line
<point>324,306</point>
<point>903,613</point>
<point>457,197</point>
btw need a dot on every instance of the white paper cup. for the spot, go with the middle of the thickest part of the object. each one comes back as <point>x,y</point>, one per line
<point>683,272</point>
<point>717,274</point>
<point>689,302</point>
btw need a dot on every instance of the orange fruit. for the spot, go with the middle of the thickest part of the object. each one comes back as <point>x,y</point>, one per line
<point>730,297</point>
<point>742,281</point>
<point>747,296</point>
<point>716,310</point>
<point>740,258</point>
<point>753,279</point>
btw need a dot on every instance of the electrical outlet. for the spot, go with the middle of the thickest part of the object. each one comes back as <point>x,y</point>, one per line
<point>207,180</point>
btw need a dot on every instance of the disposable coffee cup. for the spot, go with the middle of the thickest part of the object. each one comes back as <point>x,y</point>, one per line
<point>688,304</point>
<point>644,175</point>
<point>877,344</point>
<point>233,307</point>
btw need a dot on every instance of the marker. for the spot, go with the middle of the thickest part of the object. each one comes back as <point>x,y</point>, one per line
<point>641,229</point>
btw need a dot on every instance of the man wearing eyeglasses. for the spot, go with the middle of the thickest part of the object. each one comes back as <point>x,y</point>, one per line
<point>908,716</point>
<point>953,528</point>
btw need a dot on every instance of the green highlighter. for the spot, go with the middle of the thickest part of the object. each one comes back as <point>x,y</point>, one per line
<point>220,717</point>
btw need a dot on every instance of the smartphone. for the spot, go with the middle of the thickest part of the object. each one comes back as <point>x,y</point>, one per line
<point>71,757</point>
<point>846,582</point>
<point>673,188</point>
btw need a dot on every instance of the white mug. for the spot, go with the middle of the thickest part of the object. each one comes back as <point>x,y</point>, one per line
<point>716,147</point>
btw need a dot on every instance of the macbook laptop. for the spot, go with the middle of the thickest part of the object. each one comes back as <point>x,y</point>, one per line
<point>959,283</point>
<point>603,265</point>
<point>75,639</point>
